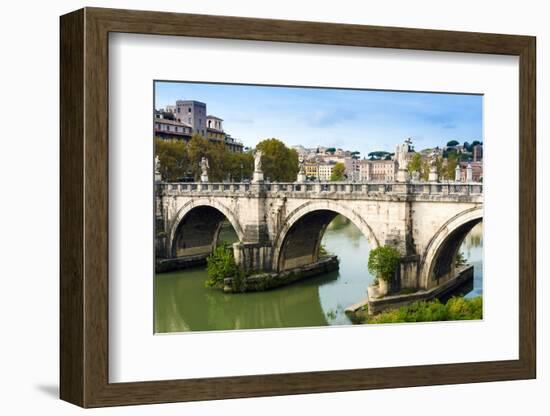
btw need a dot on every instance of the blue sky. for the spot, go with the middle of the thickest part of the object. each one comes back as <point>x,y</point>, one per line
<point>363,120</point>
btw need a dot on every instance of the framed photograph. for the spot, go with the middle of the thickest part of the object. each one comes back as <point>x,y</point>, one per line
<point>254,207</point>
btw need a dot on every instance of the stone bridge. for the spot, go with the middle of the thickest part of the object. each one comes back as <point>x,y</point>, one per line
<point>280,225</point>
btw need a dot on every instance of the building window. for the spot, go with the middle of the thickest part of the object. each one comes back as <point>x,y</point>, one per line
<point>189,110</point>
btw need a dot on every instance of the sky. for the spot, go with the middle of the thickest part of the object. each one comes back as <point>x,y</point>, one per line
<point>356,120</point>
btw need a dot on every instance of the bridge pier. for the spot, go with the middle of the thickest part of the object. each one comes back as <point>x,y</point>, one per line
<point>408,272</point>
<point>253,257</point>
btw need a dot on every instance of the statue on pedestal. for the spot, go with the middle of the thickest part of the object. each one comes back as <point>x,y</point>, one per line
<point>301,170</point>
<point>402,158</point>
<point>203,164</point>
<point>258,175</point>
<point>433,176</point>
<point>258,161</point>
<point>158,176</point>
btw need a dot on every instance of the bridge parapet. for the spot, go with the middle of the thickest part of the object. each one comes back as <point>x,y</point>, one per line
<point>323,189</point>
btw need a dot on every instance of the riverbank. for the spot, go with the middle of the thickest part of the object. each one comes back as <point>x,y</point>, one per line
<point>376,303</point>
<point>455,309</point>
<point>266,281</point>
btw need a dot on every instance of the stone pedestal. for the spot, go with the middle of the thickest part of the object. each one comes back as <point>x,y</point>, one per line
<point>433,177</point>
<point>204,178</point>
<point>469,176</point>
<point>402,175</point>
<point>458,174</point>
<point>258,177</point>
<point>301,177</point>
<point>383,287</point>
<point>158,177</point>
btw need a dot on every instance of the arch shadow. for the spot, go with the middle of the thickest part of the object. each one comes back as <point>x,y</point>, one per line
<point>199,222</point>
<point>438,258</point>
<point>303,231</point>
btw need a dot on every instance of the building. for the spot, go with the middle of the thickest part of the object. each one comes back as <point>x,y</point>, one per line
<point>214,129</point>
<point>377,170</point>
<point>191,115</point>
<point>477,171</point>
<point>334,159</point>
<point>233,145</point>
<point>325,171</point>
<point>477,152</point>
<point>312,170</point>
<point>352,169</point>
<point>172,130</point>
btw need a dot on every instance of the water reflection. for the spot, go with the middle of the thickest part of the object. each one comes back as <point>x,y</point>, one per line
<point>182,303</point>
<point>472,248</point>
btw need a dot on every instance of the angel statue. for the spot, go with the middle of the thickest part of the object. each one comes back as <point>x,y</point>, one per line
<point>204,167</point>
<point>433,158</point>
<point>157,164</point>
<point>258,161</point>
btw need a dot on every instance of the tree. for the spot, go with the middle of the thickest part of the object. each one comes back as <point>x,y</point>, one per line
<point>173,158</point>
<point>239,165</point>
<point>452,143</point>
<point>450,166</point>
<point>379,155</point>
<point>216,153</point>
<point>415,163</point>
<point>383,262</point>
<point>279,163</point>
<point>330,150</point>
<point>338,172</point>
<point>355,155</point>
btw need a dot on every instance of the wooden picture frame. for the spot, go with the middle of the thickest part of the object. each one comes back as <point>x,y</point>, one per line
<point>84,207</point>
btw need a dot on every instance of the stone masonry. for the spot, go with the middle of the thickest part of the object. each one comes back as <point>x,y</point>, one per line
<point>280,225</point>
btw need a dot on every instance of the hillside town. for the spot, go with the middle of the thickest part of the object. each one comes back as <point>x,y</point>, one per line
<point>453,161</point>
<point>379,166</point>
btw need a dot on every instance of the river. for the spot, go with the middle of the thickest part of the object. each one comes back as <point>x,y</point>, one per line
<point>183,303</point>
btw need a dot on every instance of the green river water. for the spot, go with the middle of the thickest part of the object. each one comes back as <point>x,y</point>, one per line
<point>183,303</point>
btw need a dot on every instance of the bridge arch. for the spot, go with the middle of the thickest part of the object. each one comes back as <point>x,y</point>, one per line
<point>204,218</point>
<point>303,230</point>
<point>438,258</point>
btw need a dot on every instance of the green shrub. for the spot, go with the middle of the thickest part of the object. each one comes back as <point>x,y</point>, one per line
<point>220,265</point>
<point>383,262</point>
<point>457,308</point>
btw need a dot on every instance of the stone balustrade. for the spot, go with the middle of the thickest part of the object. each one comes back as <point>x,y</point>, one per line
<point>312,189</point>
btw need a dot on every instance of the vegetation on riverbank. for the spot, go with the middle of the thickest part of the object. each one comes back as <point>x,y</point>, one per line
<point>383,262</point>
<point>456,309</point>
<point>221,264</point>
